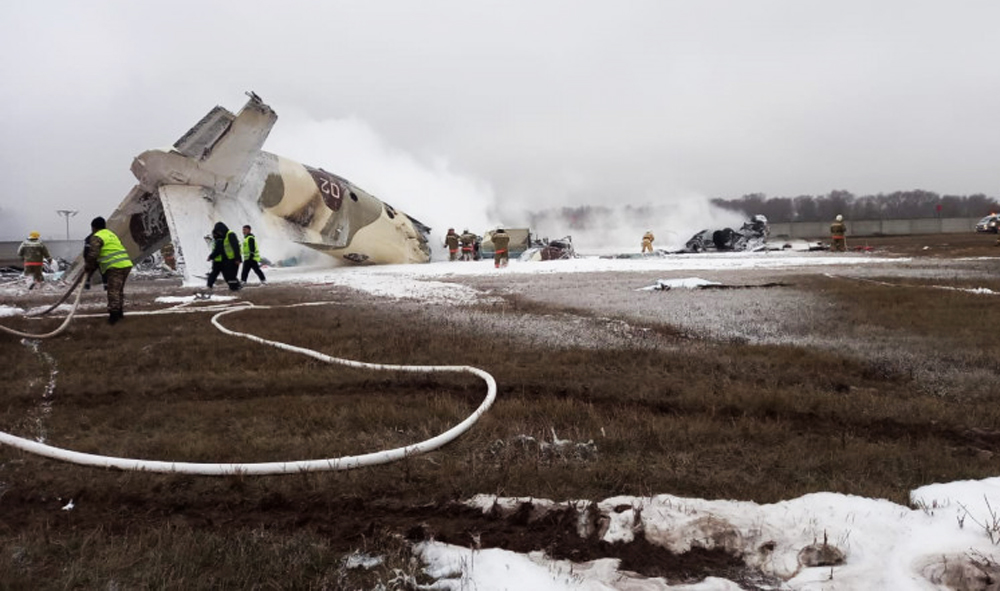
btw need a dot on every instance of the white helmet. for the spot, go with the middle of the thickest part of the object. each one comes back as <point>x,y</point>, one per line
<point>840,218</point>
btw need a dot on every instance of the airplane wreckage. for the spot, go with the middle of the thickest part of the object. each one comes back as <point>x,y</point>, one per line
<point>218,172</point>
<point>751,237</point>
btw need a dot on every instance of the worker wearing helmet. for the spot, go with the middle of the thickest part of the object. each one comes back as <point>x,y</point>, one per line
<point>468,240</point>
<point>34,253</point>
<point>647,242</point>
<point>105,252</point>
<point>501,245</point>
<point>451,243</point>
<point>838,233</point>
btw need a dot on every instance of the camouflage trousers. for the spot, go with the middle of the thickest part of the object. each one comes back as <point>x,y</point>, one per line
<point>115,284</point>
<point>34,272</point>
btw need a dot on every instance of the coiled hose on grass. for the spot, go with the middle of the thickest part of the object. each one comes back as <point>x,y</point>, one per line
<point>289,467</point>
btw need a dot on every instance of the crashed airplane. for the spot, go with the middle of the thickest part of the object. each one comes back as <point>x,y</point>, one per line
<point>218,172</point>
<point>751,236</point>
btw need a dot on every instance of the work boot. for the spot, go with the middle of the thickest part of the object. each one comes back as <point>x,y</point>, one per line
<point>115,316</point>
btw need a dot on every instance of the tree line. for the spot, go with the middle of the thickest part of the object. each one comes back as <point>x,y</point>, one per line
<point>898,205</point>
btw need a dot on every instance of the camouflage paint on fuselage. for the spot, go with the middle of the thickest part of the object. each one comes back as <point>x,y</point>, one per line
<point>217,172</point>
<point>339,219</point>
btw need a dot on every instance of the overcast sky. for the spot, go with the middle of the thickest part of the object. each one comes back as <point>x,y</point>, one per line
<point>467,112</point>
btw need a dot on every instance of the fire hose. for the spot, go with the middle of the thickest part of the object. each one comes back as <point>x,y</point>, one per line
<point>282,467</point>
<point>69,317</point>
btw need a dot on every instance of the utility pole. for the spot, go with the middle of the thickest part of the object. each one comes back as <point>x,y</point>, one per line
<point>67,213</point>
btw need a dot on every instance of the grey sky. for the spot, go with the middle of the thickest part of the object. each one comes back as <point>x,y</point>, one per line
<point>476,110</point>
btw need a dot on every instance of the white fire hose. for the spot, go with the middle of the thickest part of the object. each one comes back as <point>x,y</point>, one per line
<point>287,467</point>
<point>65,323</point>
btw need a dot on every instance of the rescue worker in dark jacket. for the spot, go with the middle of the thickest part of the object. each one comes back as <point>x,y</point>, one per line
<point>34,253</point>
<point>838,231</point>
<point>451,242</point>
<point>225,256</point>
<point>251,257</point>
<point>501,243</point>
<point>105,252</point>
<point>468,240</point>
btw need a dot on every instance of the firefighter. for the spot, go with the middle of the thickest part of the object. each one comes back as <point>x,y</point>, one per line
<point>105,251</point>
<point>838,243</point>
<point>251,257</point>
<point>451,242</point>
<point>225,256</point>
<point>169,258</point>
<point>501,242</point>
<point>647,242</point>
<point>468,240</point>
<point>34,253</point>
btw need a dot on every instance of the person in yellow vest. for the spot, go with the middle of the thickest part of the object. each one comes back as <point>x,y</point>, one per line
<point>501,242</point>
<point>838,231</point>
<point>105,252</point>
<point>647,242</point>
<point>451,242</point>
<point>34,253</point>
<point>251,257</point>
<point>225,256</point>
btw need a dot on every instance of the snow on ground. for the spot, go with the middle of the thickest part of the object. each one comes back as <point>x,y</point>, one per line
<point>190,299</point>
<point>882,545</point>
<point>6,310</point>
<point>948,542</point>
<point>430,282</point>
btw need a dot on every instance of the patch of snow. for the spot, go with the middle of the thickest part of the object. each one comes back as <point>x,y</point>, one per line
<point>7,311</point>
<point>885,545</point>
<point>685,283</point>
<point>191,298</point>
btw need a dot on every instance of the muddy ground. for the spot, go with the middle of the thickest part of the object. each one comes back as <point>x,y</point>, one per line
<point>594,311</point>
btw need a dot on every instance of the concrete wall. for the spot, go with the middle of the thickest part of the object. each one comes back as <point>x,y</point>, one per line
<point>821,230</point>
<point>62,249</point>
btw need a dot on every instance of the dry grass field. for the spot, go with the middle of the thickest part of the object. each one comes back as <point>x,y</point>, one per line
<point>868,380</point>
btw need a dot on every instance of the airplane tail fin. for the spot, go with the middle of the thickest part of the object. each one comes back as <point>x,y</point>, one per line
<point>226,143</point>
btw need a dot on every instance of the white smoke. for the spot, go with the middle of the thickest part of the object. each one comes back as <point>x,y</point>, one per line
<point>429,190</point>
<point>425,188</point>
<point>12,226</point>
<point>618,227</point>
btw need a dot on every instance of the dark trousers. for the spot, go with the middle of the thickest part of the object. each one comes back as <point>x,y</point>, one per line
<point>247,265</point>
<point>228,270</point>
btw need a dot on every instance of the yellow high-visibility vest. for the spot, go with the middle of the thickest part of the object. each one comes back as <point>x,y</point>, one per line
<point>113,255</point>
<point>227,247</point>
<point>247,255</point>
